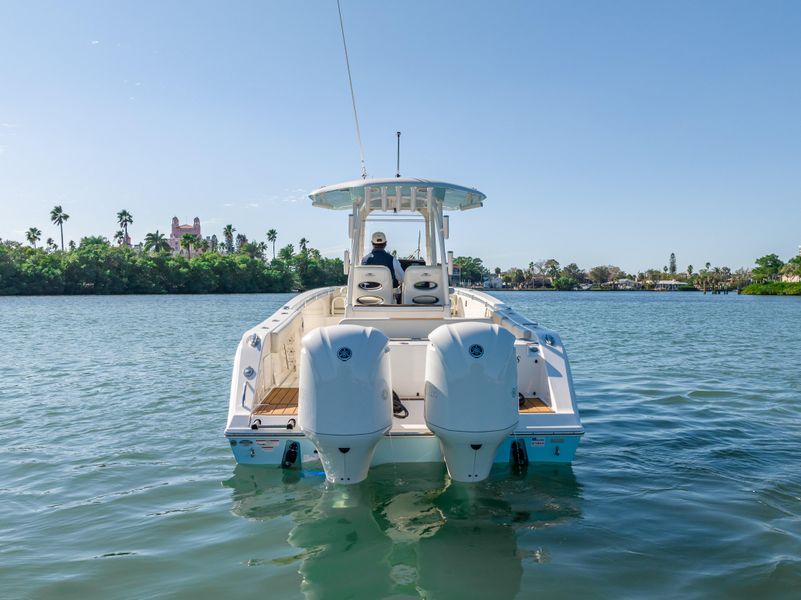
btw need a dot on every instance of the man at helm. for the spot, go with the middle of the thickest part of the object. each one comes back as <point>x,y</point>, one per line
<point>379,256</point>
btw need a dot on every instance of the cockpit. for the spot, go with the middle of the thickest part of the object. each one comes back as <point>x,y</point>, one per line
<point>392,205</point>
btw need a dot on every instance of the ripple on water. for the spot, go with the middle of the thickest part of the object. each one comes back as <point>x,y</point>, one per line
<point>115,475</point>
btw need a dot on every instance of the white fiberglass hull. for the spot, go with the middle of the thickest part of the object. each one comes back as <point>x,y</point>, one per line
<point>273,400</point>
<point>257,448</point>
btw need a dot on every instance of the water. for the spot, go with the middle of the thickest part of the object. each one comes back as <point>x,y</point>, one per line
<point>116,482</point>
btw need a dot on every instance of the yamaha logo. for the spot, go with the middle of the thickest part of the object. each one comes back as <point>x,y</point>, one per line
<point>476,351</point>
<point>344,353</point>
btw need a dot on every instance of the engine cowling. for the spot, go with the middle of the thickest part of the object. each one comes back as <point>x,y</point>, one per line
<point>471,394</point>
<point>345,397</point>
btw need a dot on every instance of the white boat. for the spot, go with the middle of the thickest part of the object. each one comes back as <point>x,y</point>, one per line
<point>350,377</point>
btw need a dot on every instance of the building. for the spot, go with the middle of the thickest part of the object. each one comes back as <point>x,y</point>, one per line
<point>622,284</point>
<point>178,230</point>
<point>792,278</point>
<point>668,285</point>
<point>492,282</point>
<point>456,277</point>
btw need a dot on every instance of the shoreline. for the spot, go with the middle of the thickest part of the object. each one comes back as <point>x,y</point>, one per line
<point>546,289</point>
<point>296,292</point>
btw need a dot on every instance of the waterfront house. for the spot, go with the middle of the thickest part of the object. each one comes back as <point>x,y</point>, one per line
<point>456,277</point>
<point>668,285</point>
<point>787,278</point>
<point>492,282</point>
<point>622,284</point>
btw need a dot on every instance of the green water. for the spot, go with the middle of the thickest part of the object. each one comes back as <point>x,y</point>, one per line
<point>116,482</point>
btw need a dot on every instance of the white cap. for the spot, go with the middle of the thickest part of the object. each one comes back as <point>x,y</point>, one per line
<point>379,238</point>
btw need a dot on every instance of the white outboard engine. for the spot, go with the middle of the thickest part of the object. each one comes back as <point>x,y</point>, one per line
<point>345,397</point>
<point>471,395</point>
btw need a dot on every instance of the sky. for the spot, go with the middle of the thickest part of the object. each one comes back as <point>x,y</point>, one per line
<point>609,132</point>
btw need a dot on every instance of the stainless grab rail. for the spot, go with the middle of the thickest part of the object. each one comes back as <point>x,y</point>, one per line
<point>244,395</point>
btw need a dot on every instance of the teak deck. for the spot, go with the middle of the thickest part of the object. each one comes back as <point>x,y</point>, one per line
<point>284,401</point>
<point>535,405</point>
<point>280,401</point>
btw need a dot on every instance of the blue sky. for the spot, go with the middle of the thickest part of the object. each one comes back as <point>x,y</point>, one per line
<point>602,132</point>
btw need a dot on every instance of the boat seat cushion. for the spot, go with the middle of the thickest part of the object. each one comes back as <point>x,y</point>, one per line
<point>422,284</point>
<point>372,284</point>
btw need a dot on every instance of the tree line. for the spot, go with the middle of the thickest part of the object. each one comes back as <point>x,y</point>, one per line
<point>773,277</point>
<point>236,264</point>
<point>769,269</point>
<point>97,266</point>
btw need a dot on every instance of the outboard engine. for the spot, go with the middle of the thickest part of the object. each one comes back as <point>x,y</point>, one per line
<point>345,397</point>
<point>471,395</point>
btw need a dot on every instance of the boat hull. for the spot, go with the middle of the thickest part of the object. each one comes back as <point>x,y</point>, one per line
<point>268,396</point>
<point>271,448</point>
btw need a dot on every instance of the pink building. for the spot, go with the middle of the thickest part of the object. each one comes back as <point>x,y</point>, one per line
<point>178,230</point>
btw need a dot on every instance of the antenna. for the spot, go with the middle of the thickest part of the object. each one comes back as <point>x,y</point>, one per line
<point>397,162</point>
<point>352,95</point>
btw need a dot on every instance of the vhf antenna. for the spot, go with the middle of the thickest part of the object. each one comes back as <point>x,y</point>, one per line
<point>352,95</point>
<point>397,162</point>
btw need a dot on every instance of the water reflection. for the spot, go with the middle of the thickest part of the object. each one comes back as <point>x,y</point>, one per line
<point>408,531</point>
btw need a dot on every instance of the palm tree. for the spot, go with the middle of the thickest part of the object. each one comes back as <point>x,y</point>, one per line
<point>689,270</point>
<point>272,235</point>
<point>124,218</point>
<point>202,245</point>
<point>793,267</point>
<point>703,277</point>
<point>58,216</point>
<point>286,253</point>
<point>156,242</point>
<point>303,243</point>
<point>228,234</point>
<point>51,245</point>
<point>241,240</point>
<point>119,237</point>
<point>94,240</point>
<point>33,235</point>
<point>187,241</point>
<point>251,249</point>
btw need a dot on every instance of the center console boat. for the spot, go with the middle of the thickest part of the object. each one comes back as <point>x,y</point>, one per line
<point>366,374</point>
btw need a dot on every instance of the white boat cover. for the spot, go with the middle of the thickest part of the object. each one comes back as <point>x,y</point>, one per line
<point>341,196</point>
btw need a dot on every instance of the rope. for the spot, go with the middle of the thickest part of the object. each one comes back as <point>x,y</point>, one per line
<point>352,95</point>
